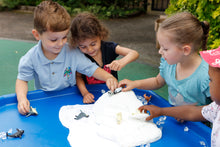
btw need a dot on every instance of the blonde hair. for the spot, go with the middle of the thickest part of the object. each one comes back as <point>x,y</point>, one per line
<point>86,25</point>
<point>51,16</point>
<point>187,29</point>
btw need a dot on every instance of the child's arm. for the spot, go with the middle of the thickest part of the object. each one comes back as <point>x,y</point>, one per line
<point>187,112</point>
<point>87,96</point>
<point>103,75</point>
<point>21,88</point>
<point>129,56</point>
<point>148,84</point>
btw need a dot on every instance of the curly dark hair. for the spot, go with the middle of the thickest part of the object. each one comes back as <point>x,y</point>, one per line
<point>86,25</point>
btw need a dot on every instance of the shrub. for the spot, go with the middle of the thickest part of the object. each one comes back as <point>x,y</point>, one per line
<point>104,9</point>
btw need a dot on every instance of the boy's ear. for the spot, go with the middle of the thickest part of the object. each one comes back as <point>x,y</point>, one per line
<point>36,34</point>
<point>187,49</point>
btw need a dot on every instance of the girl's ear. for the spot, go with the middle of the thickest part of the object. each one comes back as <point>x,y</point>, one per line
<point>36,34</point>
<point>187,49</point>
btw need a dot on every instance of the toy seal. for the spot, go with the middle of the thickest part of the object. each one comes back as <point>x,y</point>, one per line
<point>81,115</point>
<point>19,133</point>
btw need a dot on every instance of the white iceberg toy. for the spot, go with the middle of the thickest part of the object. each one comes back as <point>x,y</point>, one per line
<point>113,121</point>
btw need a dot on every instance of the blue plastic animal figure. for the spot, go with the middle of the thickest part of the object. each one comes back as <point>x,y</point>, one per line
<point>19,133</point>
<point>81,115</point>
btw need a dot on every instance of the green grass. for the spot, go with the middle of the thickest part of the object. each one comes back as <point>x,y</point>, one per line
<point>11,52</point>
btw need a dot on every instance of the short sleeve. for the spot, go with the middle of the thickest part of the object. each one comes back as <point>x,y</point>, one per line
<point>162,66</point>
<point>108,52</point>
<point>25,69</point>
<point>205,87</point>
<point>85,66</point>
<point>204,78</point>
<point>210,111</point>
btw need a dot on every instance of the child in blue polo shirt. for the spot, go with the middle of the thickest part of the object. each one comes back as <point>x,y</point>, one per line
<point>51,63</point>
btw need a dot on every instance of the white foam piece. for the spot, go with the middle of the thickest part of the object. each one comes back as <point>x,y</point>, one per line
<point>101,128</point>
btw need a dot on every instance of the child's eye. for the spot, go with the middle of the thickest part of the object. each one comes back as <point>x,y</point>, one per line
<point>54,40</point>
<point>93,44</point>
<point>82,47</point>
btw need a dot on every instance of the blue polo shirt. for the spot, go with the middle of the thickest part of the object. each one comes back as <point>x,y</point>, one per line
<point>57,74</point>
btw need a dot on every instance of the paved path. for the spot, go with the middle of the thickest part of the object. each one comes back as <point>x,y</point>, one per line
<point>136,32</point>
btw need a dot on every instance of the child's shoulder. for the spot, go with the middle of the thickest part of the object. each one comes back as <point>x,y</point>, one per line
<point>30,56</point>
<point>204,65</point>
<point>202,70</point>
<point>33,51</point>
<point>108,44</point>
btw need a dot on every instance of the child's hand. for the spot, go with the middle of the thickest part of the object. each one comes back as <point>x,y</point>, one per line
<point>180,120</point>
<point>88,98</point>
<point>24,106</point>
<point>115,65</point>
<point>112,83</point>
<point>126,84</point>
<point>154,111</point>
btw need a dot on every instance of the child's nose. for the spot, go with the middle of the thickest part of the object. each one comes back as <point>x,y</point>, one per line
<point>89,49</point>
<point>61,42</point>
<point>160,51</point>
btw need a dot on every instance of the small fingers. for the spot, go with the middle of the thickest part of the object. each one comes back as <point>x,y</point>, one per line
<point>88,98</point>
<point>112,84</point>
<point>121,84</point>
<point>115,65</point>
<point>87,101</point>
<point>125,89</point>
<point>142,108</point>
<point>126,84</point>
<point>24,108</point>
<point>180,120</point>
<point>149,118</point>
